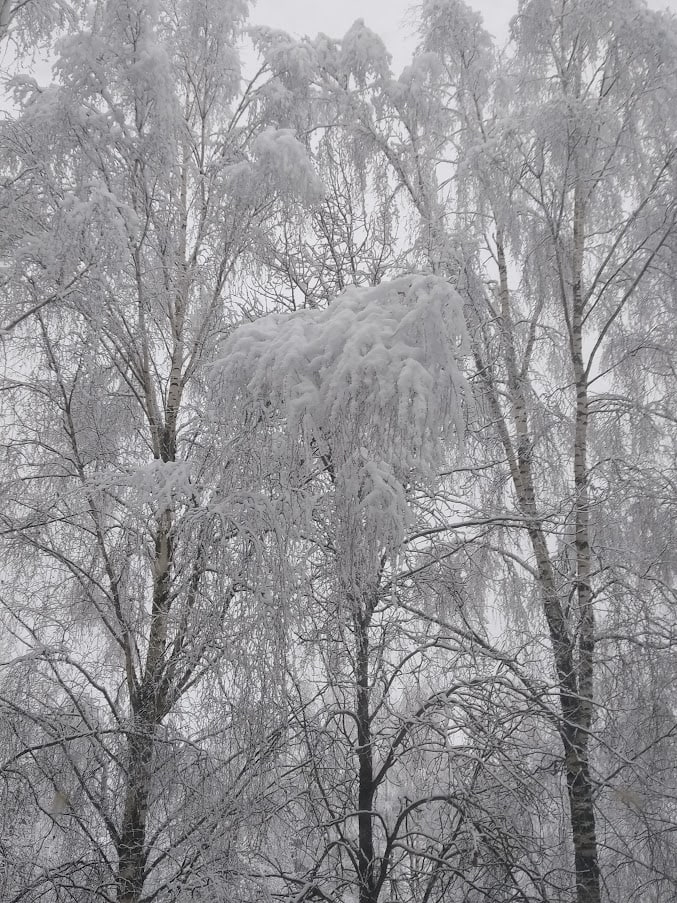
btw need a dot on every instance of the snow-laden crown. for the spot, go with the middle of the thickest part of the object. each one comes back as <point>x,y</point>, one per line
<point>366,392</point>
<point>376,373</point>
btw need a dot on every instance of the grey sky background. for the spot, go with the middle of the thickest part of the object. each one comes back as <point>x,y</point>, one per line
<point>391,19</point>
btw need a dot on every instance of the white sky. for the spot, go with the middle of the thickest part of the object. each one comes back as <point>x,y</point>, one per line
<point>392,19</point>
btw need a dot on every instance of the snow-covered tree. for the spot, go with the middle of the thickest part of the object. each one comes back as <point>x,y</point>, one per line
<point>136,182</point>
<point>564,177</point>
<point>274,629</point>
<point>349,408</point>
<point>543,184</point>
<point>349,413</point>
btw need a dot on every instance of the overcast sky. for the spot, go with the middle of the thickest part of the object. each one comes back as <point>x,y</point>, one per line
<point>392,19</point>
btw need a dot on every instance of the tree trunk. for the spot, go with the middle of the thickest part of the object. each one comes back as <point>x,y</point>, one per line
<point>366,872</point>
<point>576,747</point>
<point>147,702</point>
<point>132,843</point>
<point>583,828</point>
<point>572,654</point>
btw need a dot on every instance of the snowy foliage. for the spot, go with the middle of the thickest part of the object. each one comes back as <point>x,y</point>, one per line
<point>453,30</point>
<point>370,387</point>
<point>280,166</point>
<point>363,53</point>
<point>377,372</point>
<point>28,24</point>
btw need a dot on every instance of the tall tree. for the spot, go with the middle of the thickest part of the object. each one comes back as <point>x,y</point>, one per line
<point>348,409</point>
<point>144,177</point>
<point>569,199</point>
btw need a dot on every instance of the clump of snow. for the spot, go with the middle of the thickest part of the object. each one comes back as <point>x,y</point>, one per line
<point>292,60</point>
<point>369,391</point>
<point>283,161</point>
<point>363,53</point>
<point>378,370</point>
<point>280,167</point>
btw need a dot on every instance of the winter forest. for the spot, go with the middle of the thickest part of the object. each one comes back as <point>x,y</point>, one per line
<point>338,470</point>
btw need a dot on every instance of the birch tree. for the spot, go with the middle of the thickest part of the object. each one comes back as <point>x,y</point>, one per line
<point>574,210</point>
<point>133,578</point>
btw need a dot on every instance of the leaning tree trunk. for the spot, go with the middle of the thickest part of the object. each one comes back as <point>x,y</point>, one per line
<point>572,651</point>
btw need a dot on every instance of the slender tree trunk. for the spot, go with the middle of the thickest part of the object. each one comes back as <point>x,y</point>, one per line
<point>578,772</point>
<point>572,654</point>
<point>366,871</point>
<point>148,706</point>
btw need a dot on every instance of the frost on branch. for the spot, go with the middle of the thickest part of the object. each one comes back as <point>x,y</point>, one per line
<point>367,392</point>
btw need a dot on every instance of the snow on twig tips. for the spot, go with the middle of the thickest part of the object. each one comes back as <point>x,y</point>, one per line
<point>370,389</point>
